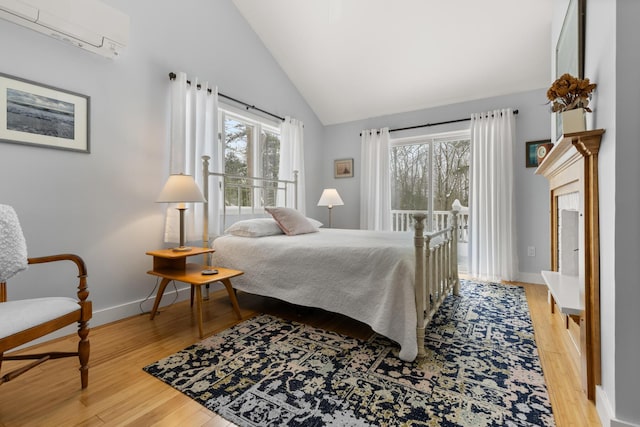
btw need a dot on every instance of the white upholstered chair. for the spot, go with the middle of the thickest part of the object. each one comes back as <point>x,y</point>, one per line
<point>22,321</point>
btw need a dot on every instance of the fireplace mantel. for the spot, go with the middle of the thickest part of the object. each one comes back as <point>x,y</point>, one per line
<point>571,148</point>
<point>572,168</point>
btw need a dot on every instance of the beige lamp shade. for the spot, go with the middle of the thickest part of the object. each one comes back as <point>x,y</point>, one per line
<point>180,188</point>
<point>330,197</point>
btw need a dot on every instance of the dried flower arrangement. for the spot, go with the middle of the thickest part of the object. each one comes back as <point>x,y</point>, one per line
<point>569,93</point>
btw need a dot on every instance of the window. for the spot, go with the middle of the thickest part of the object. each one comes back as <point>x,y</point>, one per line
<point>251,149</point>
<point>427,174</point>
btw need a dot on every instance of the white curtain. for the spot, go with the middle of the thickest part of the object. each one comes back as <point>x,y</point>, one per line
<point>375,182</point>
<point>194,113</point>
<point>292,159</point>
<point>492,236</point>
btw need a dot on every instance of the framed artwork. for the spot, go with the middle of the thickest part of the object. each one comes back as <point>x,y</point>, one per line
<point>532,151</point>
<point>570,47</point>
<point>44,116</point>
<point>343,168</point>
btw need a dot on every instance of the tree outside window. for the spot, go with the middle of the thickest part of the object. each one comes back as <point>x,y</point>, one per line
<point>251,149</point>
<point>429,173</point>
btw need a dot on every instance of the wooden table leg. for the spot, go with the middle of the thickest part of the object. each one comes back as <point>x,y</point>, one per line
<point>199,308</point>
<point>232,297</point>
<point>163,285</point>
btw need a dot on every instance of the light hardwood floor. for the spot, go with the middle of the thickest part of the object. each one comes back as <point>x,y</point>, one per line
<point>120,393</point>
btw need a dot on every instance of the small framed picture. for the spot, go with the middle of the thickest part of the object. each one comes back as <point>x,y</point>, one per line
<point>45,116</point>
<point>343,168</point>
<point>532,151</point>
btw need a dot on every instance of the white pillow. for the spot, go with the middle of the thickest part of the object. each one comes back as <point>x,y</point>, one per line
<point>257,227</point>
<point>291,221</point>
<point>315,222</point>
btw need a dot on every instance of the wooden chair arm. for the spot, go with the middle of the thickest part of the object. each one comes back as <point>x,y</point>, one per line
<point>83,292</point>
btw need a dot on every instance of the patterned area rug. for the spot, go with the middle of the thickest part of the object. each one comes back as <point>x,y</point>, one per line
<point>482,369</point>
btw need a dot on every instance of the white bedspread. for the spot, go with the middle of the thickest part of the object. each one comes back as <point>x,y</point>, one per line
<point>365,275</point>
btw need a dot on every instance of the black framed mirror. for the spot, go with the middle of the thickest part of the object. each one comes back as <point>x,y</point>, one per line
<point>570,46</point>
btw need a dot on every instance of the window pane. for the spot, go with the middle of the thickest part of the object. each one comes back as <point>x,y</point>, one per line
<point>251,149</point>
<point>450,174</point>
<point>237,158</point>
<point>428,184</point>
<point>269,162</point>
<point>410,177</point>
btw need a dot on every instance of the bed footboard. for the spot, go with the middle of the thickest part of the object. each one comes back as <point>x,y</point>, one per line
<point>436,256</point>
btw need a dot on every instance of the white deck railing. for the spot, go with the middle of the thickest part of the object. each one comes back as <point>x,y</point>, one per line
<point>402,221</point>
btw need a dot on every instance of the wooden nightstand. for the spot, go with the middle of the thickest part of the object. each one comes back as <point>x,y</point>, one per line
<point>172,265</point>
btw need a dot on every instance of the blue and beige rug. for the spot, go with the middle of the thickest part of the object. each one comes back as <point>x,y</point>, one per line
<point>482,369</point>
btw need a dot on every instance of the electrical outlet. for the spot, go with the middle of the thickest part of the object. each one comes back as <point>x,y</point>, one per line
<point>531,251</point>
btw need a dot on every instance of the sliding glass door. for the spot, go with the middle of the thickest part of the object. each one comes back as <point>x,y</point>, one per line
<point>428,173</point>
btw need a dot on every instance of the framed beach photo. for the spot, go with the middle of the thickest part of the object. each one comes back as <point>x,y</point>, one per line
<point>343,168</point>
<point>44,116</point>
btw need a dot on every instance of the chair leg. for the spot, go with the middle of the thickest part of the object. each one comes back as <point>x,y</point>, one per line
<point>17,372</point>
<point>83,353</point>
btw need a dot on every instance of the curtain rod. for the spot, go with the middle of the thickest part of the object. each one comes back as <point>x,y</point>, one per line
<point>435,124</point>
<point>172,76</point>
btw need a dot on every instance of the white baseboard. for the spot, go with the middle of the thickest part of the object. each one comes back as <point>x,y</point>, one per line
<point>535,278</point>
<point>129,309</point>
<point>602,407</point>
<point>122,311</point>
<point>607,417</point>
<point>618,423</point>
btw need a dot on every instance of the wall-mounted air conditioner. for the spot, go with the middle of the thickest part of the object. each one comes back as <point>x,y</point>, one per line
<point>89,24</point>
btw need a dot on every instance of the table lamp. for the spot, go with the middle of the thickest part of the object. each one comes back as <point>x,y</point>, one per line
<point>181,189</point>
<point>330,198</point>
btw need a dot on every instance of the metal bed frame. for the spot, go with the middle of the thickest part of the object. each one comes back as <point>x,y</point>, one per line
<point>436,254</point>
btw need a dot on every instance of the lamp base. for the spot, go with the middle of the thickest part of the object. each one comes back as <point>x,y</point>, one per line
<point>182,247</point>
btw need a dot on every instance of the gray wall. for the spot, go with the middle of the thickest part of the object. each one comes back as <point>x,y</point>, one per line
<point>102,205</point>
<point>612,60</point>
<point>627,230</point>
<point>531,191</point>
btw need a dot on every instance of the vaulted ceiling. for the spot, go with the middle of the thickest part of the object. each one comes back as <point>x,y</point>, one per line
<point>354,59</point>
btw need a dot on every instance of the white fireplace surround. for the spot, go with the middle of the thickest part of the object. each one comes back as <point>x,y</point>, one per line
<point>574,279</point>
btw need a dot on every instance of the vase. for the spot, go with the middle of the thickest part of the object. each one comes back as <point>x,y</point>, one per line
<point>573,121</point>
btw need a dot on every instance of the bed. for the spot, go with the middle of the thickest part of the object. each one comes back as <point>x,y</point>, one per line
<point>392,281</point>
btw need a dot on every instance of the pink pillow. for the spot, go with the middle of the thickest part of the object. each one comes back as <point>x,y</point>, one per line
<point>291,221</point>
